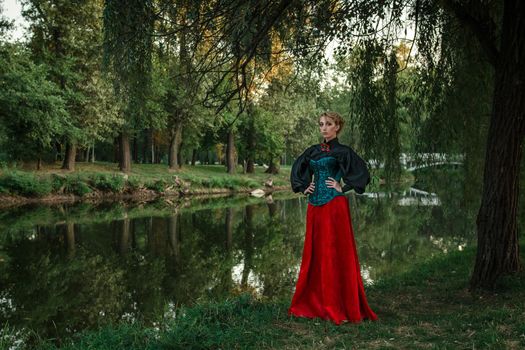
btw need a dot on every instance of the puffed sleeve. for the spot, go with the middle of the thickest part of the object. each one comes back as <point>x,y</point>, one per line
<point>300,176</point>
<point>355,171</point>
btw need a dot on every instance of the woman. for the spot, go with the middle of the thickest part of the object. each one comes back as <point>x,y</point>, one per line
<point>330,284</point>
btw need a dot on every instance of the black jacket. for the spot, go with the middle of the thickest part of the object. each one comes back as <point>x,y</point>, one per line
<point>353,167</point>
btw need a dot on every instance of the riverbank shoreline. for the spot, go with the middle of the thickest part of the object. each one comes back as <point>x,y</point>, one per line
<point>98,182</point>
<point>9,201</point>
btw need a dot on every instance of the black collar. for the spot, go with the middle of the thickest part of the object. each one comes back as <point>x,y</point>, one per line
<point>332,142</point>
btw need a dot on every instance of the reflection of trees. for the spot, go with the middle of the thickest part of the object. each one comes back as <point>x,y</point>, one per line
<point>205,262</point>
<point>229,229</point>
<point>125,235</point>
<point>174,236</point>
<point>247,244</point>
<point>70,239</point>
<point>278,246</point>
<point>58,294</point>
<point>457,213</point>
<point>390,237</point>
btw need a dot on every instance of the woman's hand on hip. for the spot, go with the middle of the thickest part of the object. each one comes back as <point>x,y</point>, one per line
<point>332,183</point>
<point>310,188</point>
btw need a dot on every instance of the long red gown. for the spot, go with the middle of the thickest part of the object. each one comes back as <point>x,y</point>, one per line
<point>330,284</point>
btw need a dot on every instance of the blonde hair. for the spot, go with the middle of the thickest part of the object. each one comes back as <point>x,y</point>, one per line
<point>336,118</point>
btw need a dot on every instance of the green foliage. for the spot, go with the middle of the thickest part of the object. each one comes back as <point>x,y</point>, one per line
<point>77,186</point>
<point>251,183</point>
<point>105,182</point>
<point>32,108</point>
<point>93,110</point>
<point>72,184</point>
<point>157,185</point>
<point>135,182</point>
<point>220,182</point>
<point>25,184</point>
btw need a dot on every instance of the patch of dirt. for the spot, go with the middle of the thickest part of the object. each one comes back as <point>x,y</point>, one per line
<point>404,331</point>
<point>513,344</point>
<point>294,327</point>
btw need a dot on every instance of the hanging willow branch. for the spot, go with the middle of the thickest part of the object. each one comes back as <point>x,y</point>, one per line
<point>128,45</point>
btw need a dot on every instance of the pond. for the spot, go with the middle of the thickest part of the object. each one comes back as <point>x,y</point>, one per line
<point>67,268</point>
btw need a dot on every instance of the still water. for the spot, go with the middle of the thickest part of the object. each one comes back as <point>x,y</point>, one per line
<point>67,268</point>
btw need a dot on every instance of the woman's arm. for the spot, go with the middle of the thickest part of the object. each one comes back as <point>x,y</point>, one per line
<point>300,175</point>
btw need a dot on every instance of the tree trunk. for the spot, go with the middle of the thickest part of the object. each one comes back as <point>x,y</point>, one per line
<point>193,156</point>
<point>179,155</point>
<point>250,165</point>
<point>250,142</point>
<point>69,158</point>
<point>146,146</point>
<point>175,142</point>
<point>498,247</point>
<point>58,150</point>
<point>125,155</point>
<point>135,150</point>
<point>230,153</point>
<point>272,168</point>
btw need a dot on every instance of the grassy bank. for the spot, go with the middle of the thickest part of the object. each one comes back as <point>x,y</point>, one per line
<point>91,180</point>
<point>428,307</point>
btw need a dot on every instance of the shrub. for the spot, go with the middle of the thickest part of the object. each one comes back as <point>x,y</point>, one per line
<point>134,183</point>
<point>158,185</point>
<point>58,182</point>
<point>249,183</point>
<point>77,186</point>
<point>113,183</point>
<point>26,184</point>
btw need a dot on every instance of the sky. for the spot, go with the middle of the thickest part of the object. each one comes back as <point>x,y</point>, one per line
<point>12,10</point>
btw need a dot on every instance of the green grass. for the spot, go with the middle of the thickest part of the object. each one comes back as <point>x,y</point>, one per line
<point>426,308</point>
<point>105,177</point>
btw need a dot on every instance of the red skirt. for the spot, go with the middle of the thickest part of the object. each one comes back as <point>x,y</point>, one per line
<point>330,284</point>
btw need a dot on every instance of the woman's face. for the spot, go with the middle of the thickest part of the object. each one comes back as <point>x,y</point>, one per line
<point>328,128</point>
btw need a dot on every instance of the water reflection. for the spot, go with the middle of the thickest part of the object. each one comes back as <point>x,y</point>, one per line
<point>67,268</point>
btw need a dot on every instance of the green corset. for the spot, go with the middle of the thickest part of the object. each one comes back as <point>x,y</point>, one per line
<point>322,169</point>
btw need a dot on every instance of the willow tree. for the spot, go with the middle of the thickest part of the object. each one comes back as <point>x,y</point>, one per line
<point>498,28</point>
<point>504,45</point>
